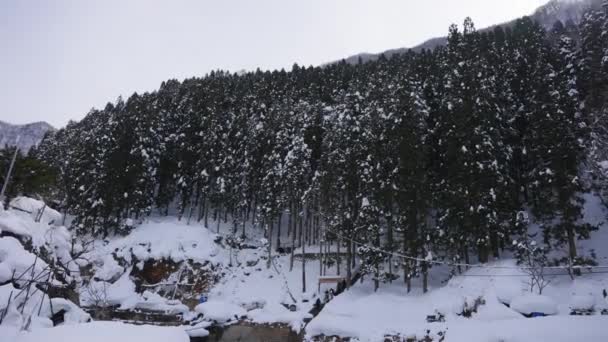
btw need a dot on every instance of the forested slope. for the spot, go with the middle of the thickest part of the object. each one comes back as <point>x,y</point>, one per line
<point>438,155</point>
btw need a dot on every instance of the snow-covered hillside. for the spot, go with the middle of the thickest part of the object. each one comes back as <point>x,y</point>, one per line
<point>240,288</point>
<point>29,134</point>
<point>545,15</point>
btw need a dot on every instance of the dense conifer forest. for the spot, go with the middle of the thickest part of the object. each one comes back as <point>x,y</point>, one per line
<point>447,154</point>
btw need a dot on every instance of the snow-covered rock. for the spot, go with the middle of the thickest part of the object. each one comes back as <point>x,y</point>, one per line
<point>109,270</point>
<point>73,313</point>
<point>34,207</point>
<point>529,303</point>
<point>166,239</point>
<point>14,259</point>
<point>220,311</point>
<point>199,329</point>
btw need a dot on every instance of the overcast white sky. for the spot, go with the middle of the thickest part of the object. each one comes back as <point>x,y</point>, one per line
<point>60,58</point>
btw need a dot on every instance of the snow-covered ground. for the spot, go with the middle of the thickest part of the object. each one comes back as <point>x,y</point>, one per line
<point>247,290</point>
<point>369,316</point>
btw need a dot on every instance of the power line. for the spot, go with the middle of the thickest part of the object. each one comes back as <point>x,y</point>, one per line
<point>457,264</point>
<point>523,275</point>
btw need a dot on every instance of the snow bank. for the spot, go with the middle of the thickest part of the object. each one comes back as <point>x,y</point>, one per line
<point>122,293</point>
<point>110,270</point>
<point>582,302</point>
<point>12,224</point>
<point>166,239</point>
<point>34,206</point>
<point>199,329</point>
<point>530,303</point>
<point>28,317</point>
<point>56,240</point>
<point>277,313</point>
<point>553,329</point>
<point>506,293</point>
<point>14,259</point>
<point>102,332</point>
<point>220,311</point>
<point>368,316</point>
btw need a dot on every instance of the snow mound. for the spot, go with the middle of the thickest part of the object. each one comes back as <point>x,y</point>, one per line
<point>15,260</point>
<point>122,293</point>
<point>34,207</point>
<point>277,313</point>
<point>23,314</point>
<point>55,240</point>
<point>220,311</point>
<point>582,302</point>
<point>199,329</point>
<point>167,239</point>
<point>529,303</point>
<point>505,294</point>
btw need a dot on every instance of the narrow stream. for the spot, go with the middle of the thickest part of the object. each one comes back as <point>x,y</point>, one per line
<point>250,333</point>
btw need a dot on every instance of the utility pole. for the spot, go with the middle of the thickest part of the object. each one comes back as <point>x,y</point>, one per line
<point>10,170</point>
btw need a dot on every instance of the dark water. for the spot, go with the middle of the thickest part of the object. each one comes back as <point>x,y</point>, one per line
<point>251,333</point>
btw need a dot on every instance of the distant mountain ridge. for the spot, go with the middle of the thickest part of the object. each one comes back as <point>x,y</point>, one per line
<point>546,15</point>
<point>29,134</point>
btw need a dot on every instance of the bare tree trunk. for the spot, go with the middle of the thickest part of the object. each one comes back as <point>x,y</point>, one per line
<point>390,243</point>
<point>349,274</point>
<point>218,218</point>
<point>572,249</point>
<point>353,256</point>
<point>320,258</point>
<point>244,223</point>
<point>406,276</point>
<point>7,177</point>
<point>289,220</point>
<point>195,205</point>
<point>292,219</point>
<point>303,259</point>
<point>300,225</point>
<point>201,208</point>
<point>338,257</point>
<point>425,277</point>
<point>377,266</point>
<point>270,244</point>
<point>466,255</point>
<point>207,204</point>
<point>279,231</point>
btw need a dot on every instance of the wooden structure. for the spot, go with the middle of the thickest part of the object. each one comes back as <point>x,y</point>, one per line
<point>330,280</point>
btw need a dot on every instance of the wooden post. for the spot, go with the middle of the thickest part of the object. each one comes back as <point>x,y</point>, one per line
<point>10,170</point>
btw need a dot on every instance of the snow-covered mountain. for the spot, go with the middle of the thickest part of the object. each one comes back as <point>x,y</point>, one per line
<point>546,15</point>
<point>29,134</point>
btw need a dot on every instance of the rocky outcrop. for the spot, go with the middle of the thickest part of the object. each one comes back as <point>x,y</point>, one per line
<point>23,136</point>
